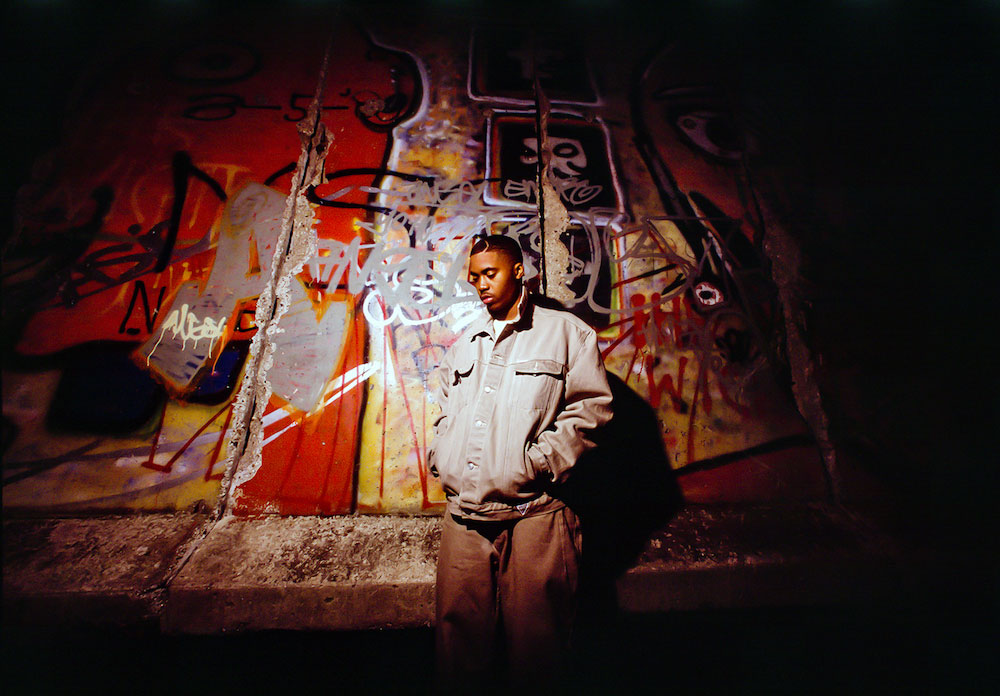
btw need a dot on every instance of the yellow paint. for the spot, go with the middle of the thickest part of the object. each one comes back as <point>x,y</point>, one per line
<point>107,479</point>
<point>392,483</point>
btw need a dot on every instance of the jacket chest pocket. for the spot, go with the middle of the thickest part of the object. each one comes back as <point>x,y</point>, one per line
<point>536,383</point>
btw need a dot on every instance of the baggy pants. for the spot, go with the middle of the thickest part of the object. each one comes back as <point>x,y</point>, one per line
<point>506,587</point>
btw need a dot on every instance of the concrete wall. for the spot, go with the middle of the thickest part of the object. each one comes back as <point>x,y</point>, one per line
<point>233,273</point>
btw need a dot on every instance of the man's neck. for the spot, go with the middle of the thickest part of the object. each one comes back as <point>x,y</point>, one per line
<point>514,312</point>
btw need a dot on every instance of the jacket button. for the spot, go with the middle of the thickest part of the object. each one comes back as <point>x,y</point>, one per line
<point>471,466</point>
<point>479,424</point>
<point>488,389</point>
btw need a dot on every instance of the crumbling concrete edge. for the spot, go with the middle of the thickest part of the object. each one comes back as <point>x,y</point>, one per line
<point>245,608</point>
<point>295,245</point>
<point>553,217</point>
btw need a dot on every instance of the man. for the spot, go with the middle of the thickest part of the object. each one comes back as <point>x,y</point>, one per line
<point>520,391</point>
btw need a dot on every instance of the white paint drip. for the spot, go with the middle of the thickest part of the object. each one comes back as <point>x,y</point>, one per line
<point>185,322</point>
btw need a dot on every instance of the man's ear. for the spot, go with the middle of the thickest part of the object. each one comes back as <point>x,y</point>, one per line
<point>518,270</point>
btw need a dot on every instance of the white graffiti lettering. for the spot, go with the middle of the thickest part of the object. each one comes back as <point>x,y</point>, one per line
<point>573,190</point>
<point>185,323</point>
<point>413,274</point>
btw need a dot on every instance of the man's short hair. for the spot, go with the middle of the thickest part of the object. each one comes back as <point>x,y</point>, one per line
<point>498,242</point>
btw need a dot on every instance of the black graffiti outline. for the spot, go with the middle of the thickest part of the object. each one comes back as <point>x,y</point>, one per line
<point>36,291</point>
<point>287,169</point>
<point>232,102</point>
<point>305,110</point>
<point>383,114</point>
<point>171,67</point>
<point>157,244</point>
<point>183,170</point>
<point>150,315</point>
<point>377,174</point>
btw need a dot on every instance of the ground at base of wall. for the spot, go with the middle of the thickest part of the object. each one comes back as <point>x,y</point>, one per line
<point>873,649</point>
<point>315,574</point>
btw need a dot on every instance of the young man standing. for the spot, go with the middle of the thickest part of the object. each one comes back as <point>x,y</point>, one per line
<point>520,392</point>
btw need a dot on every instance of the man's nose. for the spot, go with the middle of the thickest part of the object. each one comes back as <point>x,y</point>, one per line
<point>481,283</point>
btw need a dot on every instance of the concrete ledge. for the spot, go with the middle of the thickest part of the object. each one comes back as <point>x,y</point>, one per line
<point>338,573</point>
<point>312,573</point>
<point>798,582</point>
<point>94,571</point>
<point>739,556</point>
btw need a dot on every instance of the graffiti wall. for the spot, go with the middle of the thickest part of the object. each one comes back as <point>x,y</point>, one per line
<point>135,341</point>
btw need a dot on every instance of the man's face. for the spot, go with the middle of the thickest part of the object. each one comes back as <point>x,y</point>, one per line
<point>497,279</point>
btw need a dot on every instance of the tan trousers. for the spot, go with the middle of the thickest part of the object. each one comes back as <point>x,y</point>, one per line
<point>507,586</point>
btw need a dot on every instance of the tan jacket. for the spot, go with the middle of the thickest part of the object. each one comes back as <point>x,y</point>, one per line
<point>517,411</point>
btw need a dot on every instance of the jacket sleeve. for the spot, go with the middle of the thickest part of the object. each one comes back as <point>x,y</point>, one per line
<point>587,405</point>
<point>440,384</point>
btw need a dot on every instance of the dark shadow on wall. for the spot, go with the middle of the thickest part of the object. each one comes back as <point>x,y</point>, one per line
<point>623,491</point>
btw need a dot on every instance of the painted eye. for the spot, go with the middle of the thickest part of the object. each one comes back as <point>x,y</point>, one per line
<point>712,132</point>
<point>707,294</point>
<point>566,149</point>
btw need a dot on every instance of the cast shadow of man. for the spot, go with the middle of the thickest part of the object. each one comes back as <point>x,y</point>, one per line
<point>623,491</point>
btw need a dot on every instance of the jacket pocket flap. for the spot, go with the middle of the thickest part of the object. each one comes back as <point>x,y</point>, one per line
<point>460,374</point>
<point>539,367</point>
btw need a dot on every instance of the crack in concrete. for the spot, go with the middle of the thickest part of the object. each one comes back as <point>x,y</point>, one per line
<point>295,245</point>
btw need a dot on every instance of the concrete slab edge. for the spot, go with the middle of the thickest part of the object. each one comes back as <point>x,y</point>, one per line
<point>371,572</point>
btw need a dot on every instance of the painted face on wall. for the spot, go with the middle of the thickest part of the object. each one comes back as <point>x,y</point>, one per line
<point>569,159</point>
<point>497,279</point>
<point>687,113</point>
